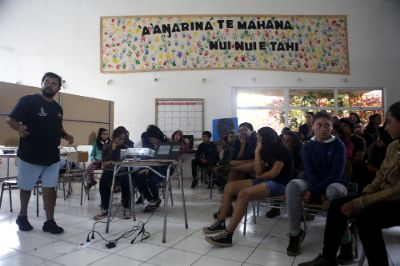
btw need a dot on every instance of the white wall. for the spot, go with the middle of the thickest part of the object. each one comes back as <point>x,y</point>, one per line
<point>63,36</point>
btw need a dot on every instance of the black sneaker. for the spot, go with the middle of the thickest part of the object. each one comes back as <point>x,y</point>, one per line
<point>51,227</point>
<point>346,255</point>
<point>216,227</point>
<point>194,183</point>
<point>224,239</point>
<point>23,223</point>
<point>273,212</point>
<point>295,243</point>
<point>319,261</point>
<point>91,184</point>
<point>152,206</point>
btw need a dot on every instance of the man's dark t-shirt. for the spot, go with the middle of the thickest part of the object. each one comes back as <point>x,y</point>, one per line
<point>43,120</point>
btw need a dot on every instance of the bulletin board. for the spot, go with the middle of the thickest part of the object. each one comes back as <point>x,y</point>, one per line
<point>179,113</point>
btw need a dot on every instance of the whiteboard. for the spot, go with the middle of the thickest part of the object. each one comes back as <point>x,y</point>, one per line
<point>184,114</point>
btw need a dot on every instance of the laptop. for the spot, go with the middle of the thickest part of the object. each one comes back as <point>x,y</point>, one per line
<point>168,151</point>
<point>165,151</point>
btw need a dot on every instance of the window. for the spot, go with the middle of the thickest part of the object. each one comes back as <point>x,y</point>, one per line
<point>280,107</point>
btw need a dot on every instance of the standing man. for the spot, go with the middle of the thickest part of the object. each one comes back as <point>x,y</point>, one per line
<point>38,120</point>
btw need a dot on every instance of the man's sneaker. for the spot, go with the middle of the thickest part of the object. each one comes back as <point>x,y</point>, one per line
<point>152,206</point>
<point>101,215</point>
<point>223,239</point>
<point>215,227</point>
<point>51,227</point>
<point>23,223</point>
<point>319,261</point>
<point>273,212</point>
<point>346,255</point>
<point>295,243</point>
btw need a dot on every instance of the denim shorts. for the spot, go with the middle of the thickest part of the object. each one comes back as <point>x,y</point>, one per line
<point>28,175</point>
<point>275,189</point>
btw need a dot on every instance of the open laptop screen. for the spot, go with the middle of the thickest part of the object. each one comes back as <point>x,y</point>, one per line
<point>163,149</point>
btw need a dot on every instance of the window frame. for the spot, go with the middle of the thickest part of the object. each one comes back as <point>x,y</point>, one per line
<point>286,108</point>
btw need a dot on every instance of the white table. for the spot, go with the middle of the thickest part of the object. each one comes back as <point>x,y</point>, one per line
<point>149,164</point>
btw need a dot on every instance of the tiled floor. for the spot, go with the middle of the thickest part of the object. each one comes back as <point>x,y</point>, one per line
<point>264,244</point>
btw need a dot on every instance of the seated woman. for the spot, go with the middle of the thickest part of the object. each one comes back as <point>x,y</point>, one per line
<point>293,142</point>
<point>95,155</point>
<point>272,166</point>
<point>373,210</point>
<point>177,137</point>
<point>112,153</point>
<point>147,181</point>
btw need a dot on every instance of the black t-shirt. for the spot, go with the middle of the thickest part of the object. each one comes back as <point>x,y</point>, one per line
<point>43,120</point>
<point>280,153</point>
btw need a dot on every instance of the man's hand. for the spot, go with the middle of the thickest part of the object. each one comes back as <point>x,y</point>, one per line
<point>22,131</point>
<point>307,196</point>
<point>69,138</point>
<point>348,209</point>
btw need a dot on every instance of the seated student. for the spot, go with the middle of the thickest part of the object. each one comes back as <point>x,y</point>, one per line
<point>272,166</point>
<point>324,158</point>
<point>373,210</point>
<point>354,117</point>
<point>305,130</point>
<point>243,152</point>
<point>293,142</point>
<point>127,142</point>
<point>221,170</point>
<point>95,155</point>
<point>177,137</point>
<point>359,128</point>
<point>112,153</point>
<point>206,155</point>
<point>146,180</point>
<point>371,133</point>
<point>375,155</point>
<point>355,151</point>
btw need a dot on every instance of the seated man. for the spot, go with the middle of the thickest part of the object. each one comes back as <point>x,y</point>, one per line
<point>206,155</point>
<point>243,153</point>
<point>373,210</point>
<point>324,160</point>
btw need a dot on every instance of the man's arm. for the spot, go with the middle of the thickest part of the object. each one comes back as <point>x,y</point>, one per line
<point>17,126</point>
<point>67,136</point>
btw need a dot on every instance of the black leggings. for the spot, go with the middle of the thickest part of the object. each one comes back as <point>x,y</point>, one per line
<point>105,188</point>
<point>369,222</point>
